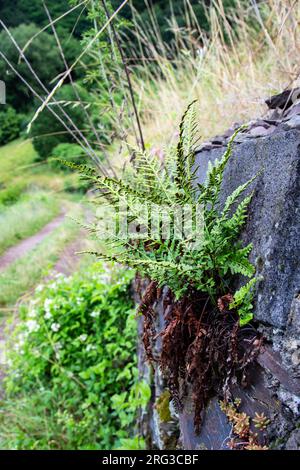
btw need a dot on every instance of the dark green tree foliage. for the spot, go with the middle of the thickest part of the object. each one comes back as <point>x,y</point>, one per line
<point>43,56</point>
<point>10,125</point>
<point>32,11</point>
<point>48,131</point>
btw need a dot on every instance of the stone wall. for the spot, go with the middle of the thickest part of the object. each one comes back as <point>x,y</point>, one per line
<point>273,227</point>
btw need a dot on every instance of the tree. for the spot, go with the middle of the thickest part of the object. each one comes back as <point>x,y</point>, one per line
<point>32,11</point>
<point>44,57</point>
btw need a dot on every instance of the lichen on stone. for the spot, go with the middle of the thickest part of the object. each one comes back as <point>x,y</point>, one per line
<point>162,406</point>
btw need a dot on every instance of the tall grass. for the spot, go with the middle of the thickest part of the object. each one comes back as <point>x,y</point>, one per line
<point>245,58</point>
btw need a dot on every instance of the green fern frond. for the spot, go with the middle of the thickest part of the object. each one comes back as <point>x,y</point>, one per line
<point>185,155</point>
<point>242,301</point>
<point>242,266</point>
<point>238,219</point>
<point>235,195</point>
<point>211,190</point>
<point>85,171</point>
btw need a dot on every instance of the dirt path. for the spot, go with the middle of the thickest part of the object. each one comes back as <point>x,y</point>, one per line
<point>26,245</point>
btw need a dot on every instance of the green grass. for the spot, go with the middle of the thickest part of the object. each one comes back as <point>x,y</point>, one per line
<point>23,274</point>
<point>20,172</point>
<point>26,217</point>
<point>15,157</point>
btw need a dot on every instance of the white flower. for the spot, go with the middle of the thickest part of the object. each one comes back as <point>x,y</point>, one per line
<point>47,304</point>
<point>90,347</point>
<point>22,336</point>
<point>48,315</point>
<point>32,313</point>
<point>32,325</point>
<point>39,288</point>
<point>95,314</point>
<point>55,327</point>
<point>83,337</point>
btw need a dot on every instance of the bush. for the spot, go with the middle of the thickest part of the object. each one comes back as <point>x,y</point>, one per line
<point>70,153</point>
<point>11,194</point>
<point>10,125</point>
<point>72,371</point>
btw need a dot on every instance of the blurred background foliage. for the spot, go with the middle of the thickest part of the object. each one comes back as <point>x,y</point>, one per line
<point>28,20</point>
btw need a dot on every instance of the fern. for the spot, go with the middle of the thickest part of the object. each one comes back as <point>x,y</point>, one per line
<point>242,301</point>
<point>185,155</point>
<point>206,261</point>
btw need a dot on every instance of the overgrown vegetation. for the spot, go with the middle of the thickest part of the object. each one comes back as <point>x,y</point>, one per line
<point>48,132</point>
<point>250,53</point>
<point>21,175</point>
<point>72,376</point>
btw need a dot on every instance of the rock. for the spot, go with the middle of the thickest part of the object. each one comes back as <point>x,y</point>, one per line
<point>292,111</point>
<point>205,146</point>
<point>293,442</point>
<point>272,361</point>
<point>273,116</point>
<point>258,122</point>
<point>293,324</point>
<point>215,430</point>
<point>283,100</point>
<point>293,123</point>
<point>261,131</point>
<point>219,140</point>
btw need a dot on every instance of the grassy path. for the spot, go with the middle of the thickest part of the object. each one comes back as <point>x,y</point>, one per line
<point>19,250</point>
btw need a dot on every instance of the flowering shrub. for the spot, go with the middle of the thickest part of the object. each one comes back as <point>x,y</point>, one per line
<point>72,376</point>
